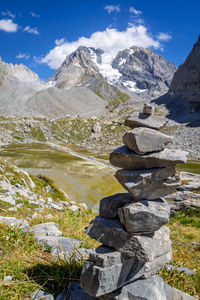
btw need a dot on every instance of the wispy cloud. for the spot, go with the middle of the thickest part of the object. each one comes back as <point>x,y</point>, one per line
<point>23,56</point>
<point>135,11</point>
<point>112,8</point>
<point>34,15</point>
<point>8,25</point>
<point>59,42</point>
<point>31,30</point>
<point>111,41</point>
<point>8,13</point>
<point>163,36</point>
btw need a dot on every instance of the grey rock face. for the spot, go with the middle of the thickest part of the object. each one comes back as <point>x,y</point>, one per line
<point>45,229</point>
<point>61,246</point>
<point>144,247</point>
<point>125,158</point>
<point>108,270</point>
<point>144,216</point>
<point>108,207</point>
<point>148,184</point>
<point>153,288</point>
<point>142,140</point>
<point>150,71</point>
<point>14,222</point>
<point>186,81</point>
<point>143,120</point>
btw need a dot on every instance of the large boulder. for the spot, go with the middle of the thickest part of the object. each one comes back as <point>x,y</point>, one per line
<point>144,216</point>
<point>108,207</point>
<point>149,184</point>
<point>145,247</point>
<point>108,270</point>
<point>142,140</point>
<point>144,120</point>
<point>125,158</point>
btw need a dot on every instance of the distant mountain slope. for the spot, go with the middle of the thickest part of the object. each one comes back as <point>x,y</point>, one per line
<point>139,71</point>
<point>186,81</point>
<point>78,69</point>
<point>23,94</point>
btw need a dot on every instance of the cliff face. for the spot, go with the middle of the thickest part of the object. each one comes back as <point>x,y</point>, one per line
<point>186,81</point>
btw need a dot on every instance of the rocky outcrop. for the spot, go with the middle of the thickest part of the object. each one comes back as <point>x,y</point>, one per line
<point>186,81</point>
<point>144,71</point>
<point>136,244</point>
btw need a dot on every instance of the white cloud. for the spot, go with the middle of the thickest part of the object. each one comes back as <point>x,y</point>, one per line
<point>60,42</point>
<point>8,13</point>
<point>22,56</point>
<point>8,25</point>
<point>135,11</point>
<point>111,40</point>
<point>34,15</point>
<point>111,8</point>
<point>162,36</point>
<point>31,30</point>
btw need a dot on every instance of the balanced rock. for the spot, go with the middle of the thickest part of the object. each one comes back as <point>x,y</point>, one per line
<point>108,270</point>
<point>144,216</point>
<point>142,140</point>
<point>144,120</point>
<point>108,207</point>
<point>153,288</point>
<point>144,247</point>
<point>148,184</point>
<point>148,109</point>
<point>125,158</point>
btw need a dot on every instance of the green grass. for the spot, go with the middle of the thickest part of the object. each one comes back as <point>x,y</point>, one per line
<point>31,267</point>
<point>184,229</point>
<point>192,167</point>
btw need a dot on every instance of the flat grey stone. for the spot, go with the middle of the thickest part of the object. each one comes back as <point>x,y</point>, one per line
<point>144,247</point>
<point>45,229</point>
<point>142,140</point>
<point>41,295</point>
<point>61,246</point>
<point>143,120</point>
<point>144,216</point>
<point>75,292</point>
<point>107,270</point>
<point>125,158</point>
<point>108,206</point>
<point>148,184</point>
<point>14,222</point>
<point>153,288</point>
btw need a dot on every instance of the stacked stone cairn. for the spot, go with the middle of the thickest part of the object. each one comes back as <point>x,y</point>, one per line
<point>131,226</point>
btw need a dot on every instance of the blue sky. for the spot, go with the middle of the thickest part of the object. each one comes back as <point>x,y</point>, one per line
<point>41,33</point>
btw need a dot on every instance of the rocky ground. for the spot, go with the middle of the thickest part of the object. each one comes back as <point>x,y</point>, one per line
<point>91,133</point>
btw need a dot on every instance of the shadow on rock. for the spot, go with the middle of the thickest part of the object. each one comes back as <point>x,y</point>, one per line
<point>179,110</point>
